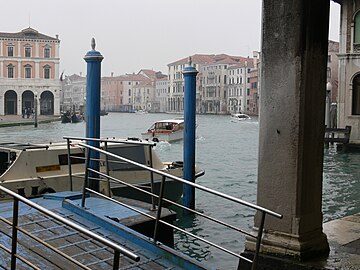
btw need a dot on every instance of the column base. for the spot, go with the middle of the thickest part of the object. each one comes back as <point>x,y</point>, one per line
<point>293,247</point>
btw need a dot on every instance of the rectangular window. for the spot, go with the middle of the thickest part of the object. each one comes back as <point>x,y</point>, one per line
<point>47,52</point>
<point>27,52</point>
<point>10,51</point>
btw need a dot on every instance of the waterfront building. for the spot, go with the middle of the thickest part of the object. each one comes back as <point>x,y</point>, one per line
<point>238,87</point>
<point>217,78</point>
<point>130,81</point>
<point>112,89</point>
<point>162,92</point>
<point>29,69</point>
<point>175,101</point>
<point>144,97</point>
<point>349,66</point>
<point>333,69</point>
<point>73,93</point>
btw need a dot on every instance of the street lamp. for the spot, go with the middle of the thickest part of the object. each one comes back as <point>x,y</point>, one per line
<point>328,105</point>
<point>35,112</point>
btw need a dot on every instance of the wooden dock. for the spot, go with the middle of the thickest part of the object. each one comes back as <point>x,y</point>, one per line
<point>338,135</point>
<point>101,217</point>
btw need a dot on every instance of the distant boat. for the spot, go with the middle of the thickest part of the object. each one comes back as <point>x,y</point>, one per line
<point>165,130</point>
<point>235,117</point>
<point>68,117</point>
<point>103,112</point>
<point>141,112</point>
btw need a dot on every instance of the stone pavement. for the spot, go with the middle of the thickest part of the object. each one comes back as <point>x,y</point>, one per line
<point>344,240</point>
<point>17,120</point>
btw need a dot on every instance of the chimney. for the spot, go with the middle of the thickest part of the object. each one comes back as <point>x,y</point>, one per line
<point>80,74</point>
<point>57,36</point>
<point>112,74</point>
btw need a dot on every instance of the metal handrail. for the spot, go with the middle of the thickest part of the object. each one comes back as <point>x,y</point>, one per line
<point>167,175</point>
<point>114,140</point>
<point>164,175</point>
<point>117,249</point>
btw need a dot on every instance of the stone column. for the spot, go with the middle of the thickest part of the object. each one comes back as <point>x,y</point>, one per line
<point>291,142</point>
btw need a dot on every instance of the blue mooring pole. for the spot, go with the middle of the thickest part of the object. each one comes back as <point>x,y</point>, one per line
<point>189,133</point>
<point>93,59</point>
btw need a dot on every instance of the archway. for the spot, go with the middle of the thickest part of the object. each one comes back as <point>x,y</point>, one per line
<point>10,102</point>
<point>27,100</point>
<point>47,103</point>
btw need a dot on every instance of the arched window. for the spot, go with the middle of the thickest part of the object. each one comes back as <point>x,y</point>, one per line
<point>10,71</point>
<point>356,96</point>
<point>27,50</point>
<point>47,72</point>
<point>47,51</point>
<point>27,71</point>
<point>357,28</point>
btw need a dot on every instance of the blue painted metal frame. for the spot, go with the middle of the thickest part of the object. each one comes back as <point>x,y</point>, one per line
<point>93,59</point>
<point>189,134</point>
<point>135,237</point>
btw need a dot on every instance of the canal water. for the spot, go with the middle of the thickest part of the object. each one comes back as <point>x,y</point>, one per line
<point>228,153</point>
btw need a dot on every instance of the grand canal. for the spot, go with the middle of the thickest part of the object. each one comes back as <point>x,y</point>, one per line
<point>228,153</point>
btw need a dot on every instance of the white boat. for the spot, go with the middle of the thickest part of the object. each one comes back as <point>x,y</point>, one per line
<point>165,130</point>
<point>235,117</point>
<point>32,170</point>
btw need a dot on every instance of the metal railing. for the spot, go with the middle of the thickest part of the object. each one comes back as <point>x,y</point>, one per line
<point>130,141</point>
<point>16,227</point>
<point>160,198</point>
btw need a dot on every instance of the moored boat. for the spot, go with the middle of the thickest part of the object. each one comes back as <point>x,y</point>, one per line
<point>35,169</point>
<point>165,130</point>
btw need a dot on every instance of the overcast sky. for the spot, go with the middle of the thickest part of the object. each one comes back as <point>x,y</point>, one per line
<point>136,34</point>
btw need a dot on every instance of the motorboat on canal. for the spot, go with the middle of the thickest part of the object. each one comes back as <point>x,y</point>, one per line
<point>235,117</point>
<point>170,130</point>
<point>35,169</point>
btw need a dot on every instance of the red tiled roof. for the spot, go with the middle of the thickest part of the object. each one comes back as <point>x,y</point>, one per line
<point>135,77</point>
<point>212,59</point>
<point>196,59</point>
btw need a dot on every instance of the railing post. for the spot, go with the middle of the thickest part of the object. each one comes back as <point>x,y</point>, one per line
<point>151,178</point>
<point>69,164</point>
<point>158,213</point>
<point>14,234</point>
<point>86,180</point>
<point>116,263</point>
<point>107,169</point>
<point>189,133</point>
<point>258,241</point>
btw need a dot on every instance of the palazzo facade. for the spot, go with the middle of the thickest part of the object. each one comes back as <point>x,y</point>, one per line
<point>29,70</point>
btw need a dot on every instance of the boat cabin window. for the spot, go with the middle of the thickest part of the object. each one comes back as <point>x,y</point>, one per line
<point>78,158</point>
<point>6,158</point>
<point>135,153</point>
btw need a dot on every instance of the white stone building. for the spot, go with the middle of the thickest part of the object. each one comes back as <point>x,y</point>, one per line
<point>29,69</point>
<point>161,93</point>
<point>349,69</point>
<point>73,93</point>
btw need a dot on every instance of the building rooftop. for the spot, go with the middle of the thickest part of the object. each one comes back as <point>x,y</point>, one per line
<point>26,34</point>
